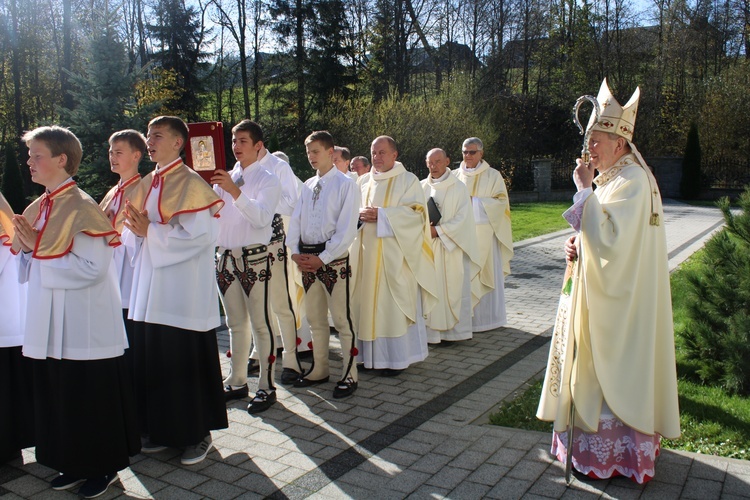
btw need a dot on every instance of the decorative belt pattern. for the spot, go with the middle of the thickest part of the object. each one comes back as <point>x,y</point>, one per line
<point>277,225</point>
<point>246,275</point>
<point>328,274</point>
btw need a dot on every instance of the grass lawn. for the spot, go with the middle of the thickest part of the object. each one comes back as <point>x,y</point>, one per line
<point>536,219</point>
<point>712,422</point>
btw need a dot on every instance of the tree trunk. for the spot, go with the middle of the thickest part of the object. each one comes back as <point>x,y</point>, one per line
<point>17,104</point>
<point>300,67</point>
<point>67,101</point>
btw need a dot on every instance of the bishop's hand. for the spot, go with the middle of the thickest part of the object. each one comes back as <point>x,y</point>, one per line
<point>583,175</point>
<point>571,252</point>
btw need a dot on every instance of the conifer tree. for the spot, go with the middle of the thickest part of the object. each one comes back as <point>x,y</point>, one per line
<point>104,103</point>
<point>180,35</point>
<point>717,334</point>
<point>690,184</point>
<point>12,185</point>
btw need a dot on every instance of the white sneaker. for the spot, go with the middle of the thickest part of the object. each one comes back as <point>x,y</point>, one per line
<point>195,454</point>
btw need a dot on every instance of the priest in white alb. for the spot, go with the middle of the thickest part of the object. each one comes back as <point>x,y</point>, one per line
<point>454,246</point>
<point>489,198</point>
<point>393,262</point>
<point>612,358</point>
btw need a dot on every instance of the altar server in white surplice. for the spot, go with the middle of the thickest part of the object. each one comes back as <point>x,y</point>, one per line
<point>126,150</point>
<point>489,198</point>
<point>16,400</point>
<point>454,245</point>
<point>84,409</point>
<point>392,255</point>
<point>174,303</point>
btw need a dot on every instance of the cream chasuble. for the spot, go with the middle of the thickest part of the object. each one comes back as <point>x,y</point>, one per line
<point>620,315</point>
<point>487,185</point>
<point>390,269</point>
<point>456,237</point>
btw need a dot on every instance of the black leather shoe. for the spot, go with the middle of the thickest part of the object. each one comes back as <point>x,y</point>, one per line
<point>306,382</point>
<point>252,366</point>
<point>66,482</point>
<point>261,402</point>
<point>97,486</point>
<point>344,388</point>
<point>289,376</point>
<point>231,393</point>
<point>390,372</point>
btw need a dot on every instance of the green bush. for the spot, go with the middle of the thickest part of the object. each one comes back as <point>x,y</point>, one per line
<point>716,334</point>
<point>417,125</point>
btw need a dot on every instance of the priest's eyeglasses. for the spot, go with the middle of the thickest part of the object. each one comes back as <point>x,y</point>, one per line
<point>470,153</point>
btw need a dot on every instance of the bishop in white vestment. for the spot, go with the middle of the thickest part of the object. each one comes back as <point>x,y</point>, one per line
<point>621,381</point>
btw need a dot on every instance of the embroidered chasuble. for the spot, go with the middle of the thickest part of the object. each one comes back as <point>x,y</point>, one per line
<point>620,315</point>
<point>389,270</point>
<point>67,211</point>
<point>486,185</point>
<point>456,237</point>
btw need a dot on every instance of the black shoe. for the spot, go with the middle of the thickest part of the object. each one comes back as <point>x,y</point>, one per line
<point>344,388</point>
<point>304,354</point>
<point>390,372</point>
<point>65,482</point>
<point>306,382</point>
<point>92,488</point>
<point>231,393</point>
<point>289,376</point>
<point>447,343</point>
<point>262,401</point>
<point>252,366</point>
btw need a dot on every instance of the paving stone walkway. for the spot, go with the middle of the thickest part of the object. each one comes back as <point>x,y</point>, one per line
<point>423,434</point>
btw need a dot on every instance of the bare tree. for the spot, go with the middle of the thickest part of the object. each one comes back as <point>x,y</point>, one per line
<point>236,23</point>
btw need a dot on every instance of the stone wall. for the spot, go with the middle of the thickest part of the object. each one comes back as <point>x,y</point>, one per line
<point>668,173</point>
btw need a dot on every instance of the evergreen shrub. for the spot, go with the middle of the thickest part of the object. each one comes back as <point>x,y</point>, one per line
<point>12,183</point>
<point>690,185</point>
<point>716,334</point>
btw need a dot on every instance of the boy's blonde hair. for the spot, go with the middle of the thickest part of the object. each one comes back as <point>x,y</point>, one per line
<point>58,140</point>
<point>132,137</point>
<point>173,123</point>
